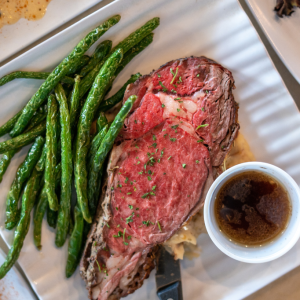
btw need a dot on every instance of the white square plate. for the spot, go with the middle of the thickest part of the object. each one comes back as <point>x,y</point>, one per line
<point>269,119</point>
<point>283,33</point>
<point>17,36</point>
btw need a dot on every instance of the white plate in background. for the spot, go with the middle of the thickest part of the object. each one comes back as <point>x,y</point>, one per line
<point>17,36</point>
<point>13,285</point>
<point>269,120</point>
<point>283,33</point>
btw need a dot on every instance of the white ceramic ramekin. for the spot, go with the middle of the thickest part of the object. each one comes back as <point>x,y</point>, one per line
<point>263,253</point>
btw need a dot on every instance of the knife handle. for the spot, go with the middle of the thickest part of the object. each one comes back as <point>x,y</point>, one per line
<point>171,292</point>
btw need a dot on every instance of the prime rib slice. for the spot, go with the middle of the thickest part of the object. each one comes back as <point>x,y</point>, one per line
<point>180,129</point>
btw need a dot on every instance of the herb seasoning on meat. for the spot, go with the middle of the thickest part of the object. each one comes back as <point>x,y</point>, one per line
<point>252,208</point>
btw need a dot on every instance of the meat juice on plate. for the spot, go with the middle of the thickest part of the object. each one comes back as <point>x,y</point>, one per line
<point>252,208</point>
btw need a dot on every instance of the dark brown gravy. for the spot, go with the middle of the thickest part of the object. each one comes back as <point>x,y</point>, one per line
<point>252,208</point>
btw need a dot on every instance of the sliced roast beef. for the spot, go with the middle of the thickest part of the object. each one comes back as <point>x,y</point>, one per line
<point>160,169</point>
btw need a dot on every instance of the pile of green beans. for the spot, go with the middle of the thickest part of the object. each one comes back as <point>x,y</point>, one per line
<point>58,73</point>
<point>58,121</point>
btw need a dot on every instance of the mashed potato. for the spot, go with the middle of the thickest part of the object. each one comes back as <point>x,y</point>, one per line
<point>184,241</point>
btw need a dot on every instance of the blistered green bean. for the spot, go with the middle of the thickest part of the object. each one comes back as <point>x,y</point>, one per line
<point>5,161</point>
<point>118,96</point>
<point>41,208</point>
<point>23,139</point>
<point>23,173</point>
<point>66,168</point>
<point>100,53</point>
<point>95,97</point>
<point>93,176</point>
<point>75,243</point>
<point>51,151</point>
<point>74,104</point>
<point>112,133</point>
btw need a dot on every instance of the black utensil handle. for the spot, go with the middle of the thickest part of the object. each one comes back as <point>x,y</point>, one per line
<point>171,292</point>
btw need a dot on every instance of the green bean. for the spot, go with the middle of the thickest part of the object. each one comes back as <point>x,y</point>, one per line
<point>66,166</point>
<point>134,52</point>
<point>58,157</point>
<point>33,155</point>
<point>74,104</point>
<point>75,243</point>
<point>9,125</point>
<point>7,156</point>
<point>85,59</point>
<point>129,42</point>
<point>51,153</point>
<point>98,188</point>
<point>96,142</point>
<point>137,35</point>
<point>87,81</point>
<point>5,161</point>
<point>59,72</point>
<point>94,98</point>
<point>66,80</point>
<point>31,75</point>
<point>101,121</point>
<point>28,199</point>
<point>131,54</point>
<point>51,217</point>
<point>100,53</point>
<point>118,96</point>
<point>76,248</point>
<point>23,139</point>
<point>40,166</point>
<point>36,120</point>
<point>38,218</point>
<point>93,176</point>
<point>112,133</point>
<point>23,173</point>
<point>38,117</point>
<point>40,210</point>
<point>71,226</point>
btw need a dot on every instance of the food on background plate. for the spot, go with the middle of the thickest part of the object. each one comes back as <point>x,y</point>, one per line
<point>286,7</point>
<point>173,143</point>
<point>13,10</point>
